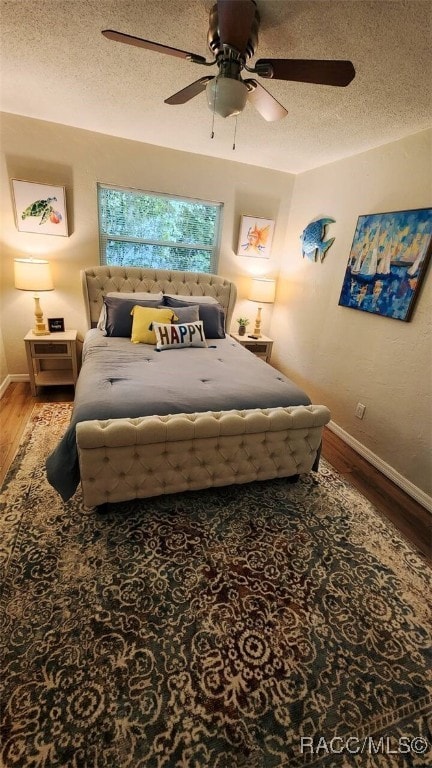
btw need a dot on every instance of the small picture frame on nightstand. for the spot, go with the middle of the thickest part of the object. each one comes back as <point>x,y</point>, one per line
<point>56,324</point>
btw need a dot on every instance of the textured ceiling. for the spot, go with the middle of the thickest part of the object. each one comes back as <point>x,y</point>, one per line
<point>56,66</point>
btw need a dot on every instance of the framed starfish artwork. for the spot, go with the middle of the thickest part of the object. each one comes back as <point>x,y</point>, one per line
<point>39,208</point>
<point>255,237</point>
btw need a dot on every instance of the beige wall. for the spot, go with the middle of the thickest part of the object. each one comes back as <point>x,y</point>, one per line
<point>342,356</point>
<point>38,151</point>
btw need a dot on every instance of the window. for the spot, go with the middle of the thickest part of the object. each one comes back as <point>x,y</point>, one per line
<point>142,229</point>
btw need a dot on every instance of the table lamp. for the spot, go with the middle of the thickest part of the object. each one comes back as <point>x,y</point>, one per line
<point>263,291</point>
<point>34,275</point>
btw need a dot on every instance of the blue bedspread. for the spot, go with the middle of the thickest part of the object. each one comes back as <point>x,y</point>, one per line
<point>119,379</point>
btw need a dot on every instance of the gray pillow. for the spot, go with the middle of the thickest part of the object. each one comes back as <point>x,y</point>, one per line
<point>212,315</point>
<point>185,314</point>
<point>118,315</point>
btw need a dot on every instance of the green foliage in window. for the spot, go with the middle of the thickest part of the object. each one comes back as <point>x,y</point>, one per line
<point>143,229</point>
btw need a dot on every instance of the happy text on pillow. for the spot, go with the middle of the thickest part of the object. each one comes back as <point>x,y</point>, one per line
<point>179,334</point>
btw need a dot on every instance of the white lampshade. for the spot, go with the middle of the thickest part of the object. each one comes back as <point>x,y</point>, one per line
<point>33,275</point>
<point>262,290</point>
<point>226,96</point>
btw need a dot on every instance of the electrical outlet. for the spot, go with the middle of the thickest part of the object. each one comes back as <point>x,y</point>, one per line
<point>360,410</point>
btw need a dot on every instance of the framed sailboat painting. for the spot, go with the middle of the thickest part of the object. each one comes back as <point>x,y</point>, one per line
<point>387,263</point>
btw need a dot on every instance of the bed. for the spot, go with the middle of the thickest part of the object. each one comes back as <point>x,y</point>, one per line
<point>149,421</point>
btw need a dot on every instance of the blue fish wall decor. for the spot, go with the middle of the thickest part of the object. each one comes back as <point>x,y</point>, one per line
<point>312,239</point>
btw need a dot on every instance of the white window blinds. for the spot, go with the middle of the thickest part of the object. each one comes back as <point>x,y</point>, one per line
<point>144,229</point>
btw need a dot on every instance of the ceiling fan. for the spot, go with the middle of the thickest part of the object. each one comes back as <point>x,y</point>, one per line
<point>233,39</point>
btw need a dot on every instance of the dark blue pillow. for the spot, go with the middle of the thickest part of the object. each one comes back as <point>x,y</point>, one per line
<point>212,315</point>
<point>118,314</point>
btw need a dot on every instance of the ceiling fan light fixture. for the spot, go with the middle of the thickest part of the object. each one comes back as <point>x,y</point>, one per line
<point>226,96</point>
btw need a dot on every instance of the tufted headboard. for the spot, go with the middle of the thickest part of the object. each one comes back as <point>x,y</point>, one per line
<point>98,281</point>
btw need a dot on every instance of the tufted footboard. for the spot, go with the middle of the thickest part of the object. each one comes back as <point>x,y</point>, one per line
<point>123,459</point>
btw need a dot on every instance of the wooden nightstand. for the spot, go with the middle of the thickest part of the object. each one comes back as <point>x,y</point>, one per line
<point>52,359</point>
<point>261,347</point>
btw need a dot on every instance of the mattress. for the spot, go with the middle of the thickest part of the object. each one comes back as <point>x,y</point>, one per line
<point>119,379</point>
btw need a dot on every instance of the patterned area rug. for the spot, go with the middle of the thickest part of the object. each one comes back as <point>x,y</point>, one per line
<point>256,626</point>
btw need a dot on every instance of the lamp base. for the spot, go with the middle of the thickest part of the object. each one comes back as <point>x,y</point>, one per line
<point>40,328</point>
<point>257,329</point>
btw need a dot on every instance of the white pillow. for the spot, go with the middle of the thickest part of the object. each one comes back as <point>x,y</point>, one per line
<point>192,299</point>
<point>139,296</point>
<point>179,335</point>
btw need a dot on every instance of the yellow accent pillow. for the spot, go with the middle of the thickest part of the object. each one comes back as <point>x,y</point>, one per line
<point>143,317</point>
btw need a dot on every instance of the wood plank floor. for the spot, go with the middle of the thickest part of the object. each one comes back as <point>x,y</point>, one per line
<point>412,520</point>
<point>16,406</point>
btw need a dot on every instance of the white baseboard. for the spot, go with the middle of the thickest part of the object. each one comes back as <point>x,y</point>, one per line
<point>386,469</point>
<point>10,378</point>
<point>4,385</point>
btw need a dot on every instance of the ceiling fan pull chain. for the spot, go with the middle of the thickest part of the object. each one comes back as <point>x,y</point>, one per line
<point>214,110</point>
<point>235,132</point>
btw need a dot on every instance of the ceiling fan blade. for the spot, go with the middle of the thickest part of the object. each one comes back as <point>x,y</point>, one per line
<point>120,37</point>
<point>266,104</point>
<point>235,19</point>
<point>321,72</point>
<point>188,93</point>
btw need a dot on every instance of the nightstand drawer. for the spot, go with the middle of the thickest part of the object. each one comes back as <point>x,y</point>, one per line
<point>48,348</point>
<point>257,349</point>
